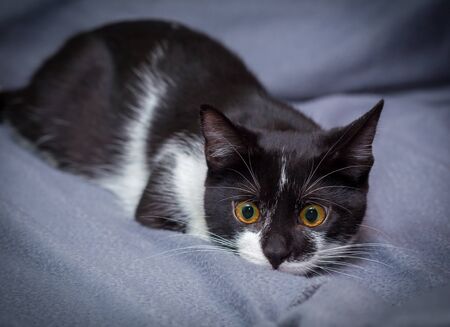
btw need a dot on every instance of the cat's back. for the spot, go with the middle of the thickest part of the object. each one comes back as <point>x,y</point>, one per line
<point>121,101</point>
<point>182,54</point>
<point>104,87</point>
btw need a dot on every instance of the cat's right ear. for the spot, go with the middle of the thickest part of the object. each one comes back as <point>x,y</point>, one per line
<point>353,148</point>
<point>224,143</point>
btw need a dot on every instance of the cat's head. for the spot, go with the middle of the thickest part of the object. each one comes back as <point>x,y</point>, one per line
<point>286,199</point>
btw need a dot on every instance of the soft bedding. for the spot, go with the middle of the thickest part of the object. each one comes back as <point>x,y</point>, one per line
<point>69,255</point>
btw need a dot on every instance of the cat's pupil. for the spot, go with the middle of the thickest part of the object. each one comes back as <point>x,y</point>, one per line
<point>248,211</point>
<point>311,215</point>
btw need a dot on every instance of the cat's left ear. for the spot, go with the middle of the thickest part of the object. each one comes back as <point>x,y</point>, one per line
<point>225,143</point>
<point>353,143</point>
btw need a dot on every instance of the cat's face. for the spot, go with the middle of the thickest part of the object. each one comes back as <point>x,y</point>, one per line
<point>285,199</point>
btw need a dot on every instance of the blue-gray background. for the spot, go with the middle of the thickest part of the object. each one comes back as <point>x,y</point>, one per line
<point>70,256</point>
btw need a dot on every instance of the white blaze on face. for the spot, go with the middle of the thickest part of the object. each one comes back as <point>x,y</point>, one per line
<point>249,247</point>
<point>283,177</point>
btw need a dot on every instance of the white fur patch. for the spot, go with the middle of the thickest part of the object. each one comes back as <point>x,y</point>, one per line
<point>184,183</point>
<point>189,177</point>
<point>131,176</point>
<point>249,247</point>
<point>283,177</point>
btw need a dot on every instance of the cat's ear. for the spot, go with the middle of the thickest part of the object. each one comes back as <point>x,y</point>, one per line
<point>224,143</point>
<point>353,143</point>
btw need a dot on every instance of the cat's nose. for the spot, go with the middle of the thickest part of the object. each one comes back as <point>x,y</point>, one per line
<point>276,251</point>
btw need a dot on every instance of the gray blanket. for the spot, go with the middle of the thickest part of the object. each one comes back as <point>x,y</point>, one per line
<point>70,256</point>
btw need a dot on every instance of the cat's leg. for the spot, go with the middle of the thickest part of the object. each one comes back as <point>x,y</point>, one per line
<point>174,196</point>
<point>158,206</point>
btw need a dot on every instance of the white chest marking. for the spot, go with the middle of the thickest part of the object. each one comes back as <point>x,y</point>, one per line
<point>189,178</point>
<point>131,175</point>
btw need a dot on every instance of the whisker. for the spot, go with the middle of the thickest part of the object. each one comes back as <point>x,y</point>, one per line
<point>376,230</point>
<point>191,247</point>
<point>187,236</point>
<point>331,186</point>
<point>371,260</point>
<point>356,245</point>
<point>339,263</point>
<point>306,182</point>
<point>340,272</point>
<point>312,268</point>
<point>230,188</point>
<point>181,221</point>
<point>253,187</point>
<point>341,252</point>
<point>332,172</point>
<point>343,256</point>
<point>246,197</point>
<point>247,187</point>
<point>168,255</point>
<point>245,163</point>
<point>252,172</point>
<point>327,153</point>
<point>329,201</point>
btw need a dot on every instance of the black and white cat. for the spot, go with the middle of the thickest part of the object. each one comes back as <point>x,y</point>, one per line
<point>188,139</point>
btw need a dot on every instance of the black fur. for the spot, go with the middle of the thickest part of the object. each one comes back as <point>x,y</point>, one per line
<point>78,103</point>
<point>345,168</point>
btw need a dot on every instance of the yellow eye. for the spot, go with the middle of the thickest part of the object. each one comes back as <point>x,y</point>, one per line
<point>312,215</point>
<point>246,212</point>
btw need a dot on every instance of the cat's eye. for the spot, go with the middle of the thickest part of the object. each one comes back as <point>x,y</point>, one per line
<point>247,212</point>
<point>312,215</point>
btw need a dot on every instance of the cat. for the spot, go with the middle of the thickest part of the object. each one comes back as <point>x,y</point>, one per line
<point>189,140</point>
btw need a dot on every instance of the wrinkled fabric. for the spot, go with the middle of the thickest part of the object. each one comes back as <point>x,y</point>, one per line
<point>69,255</point>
